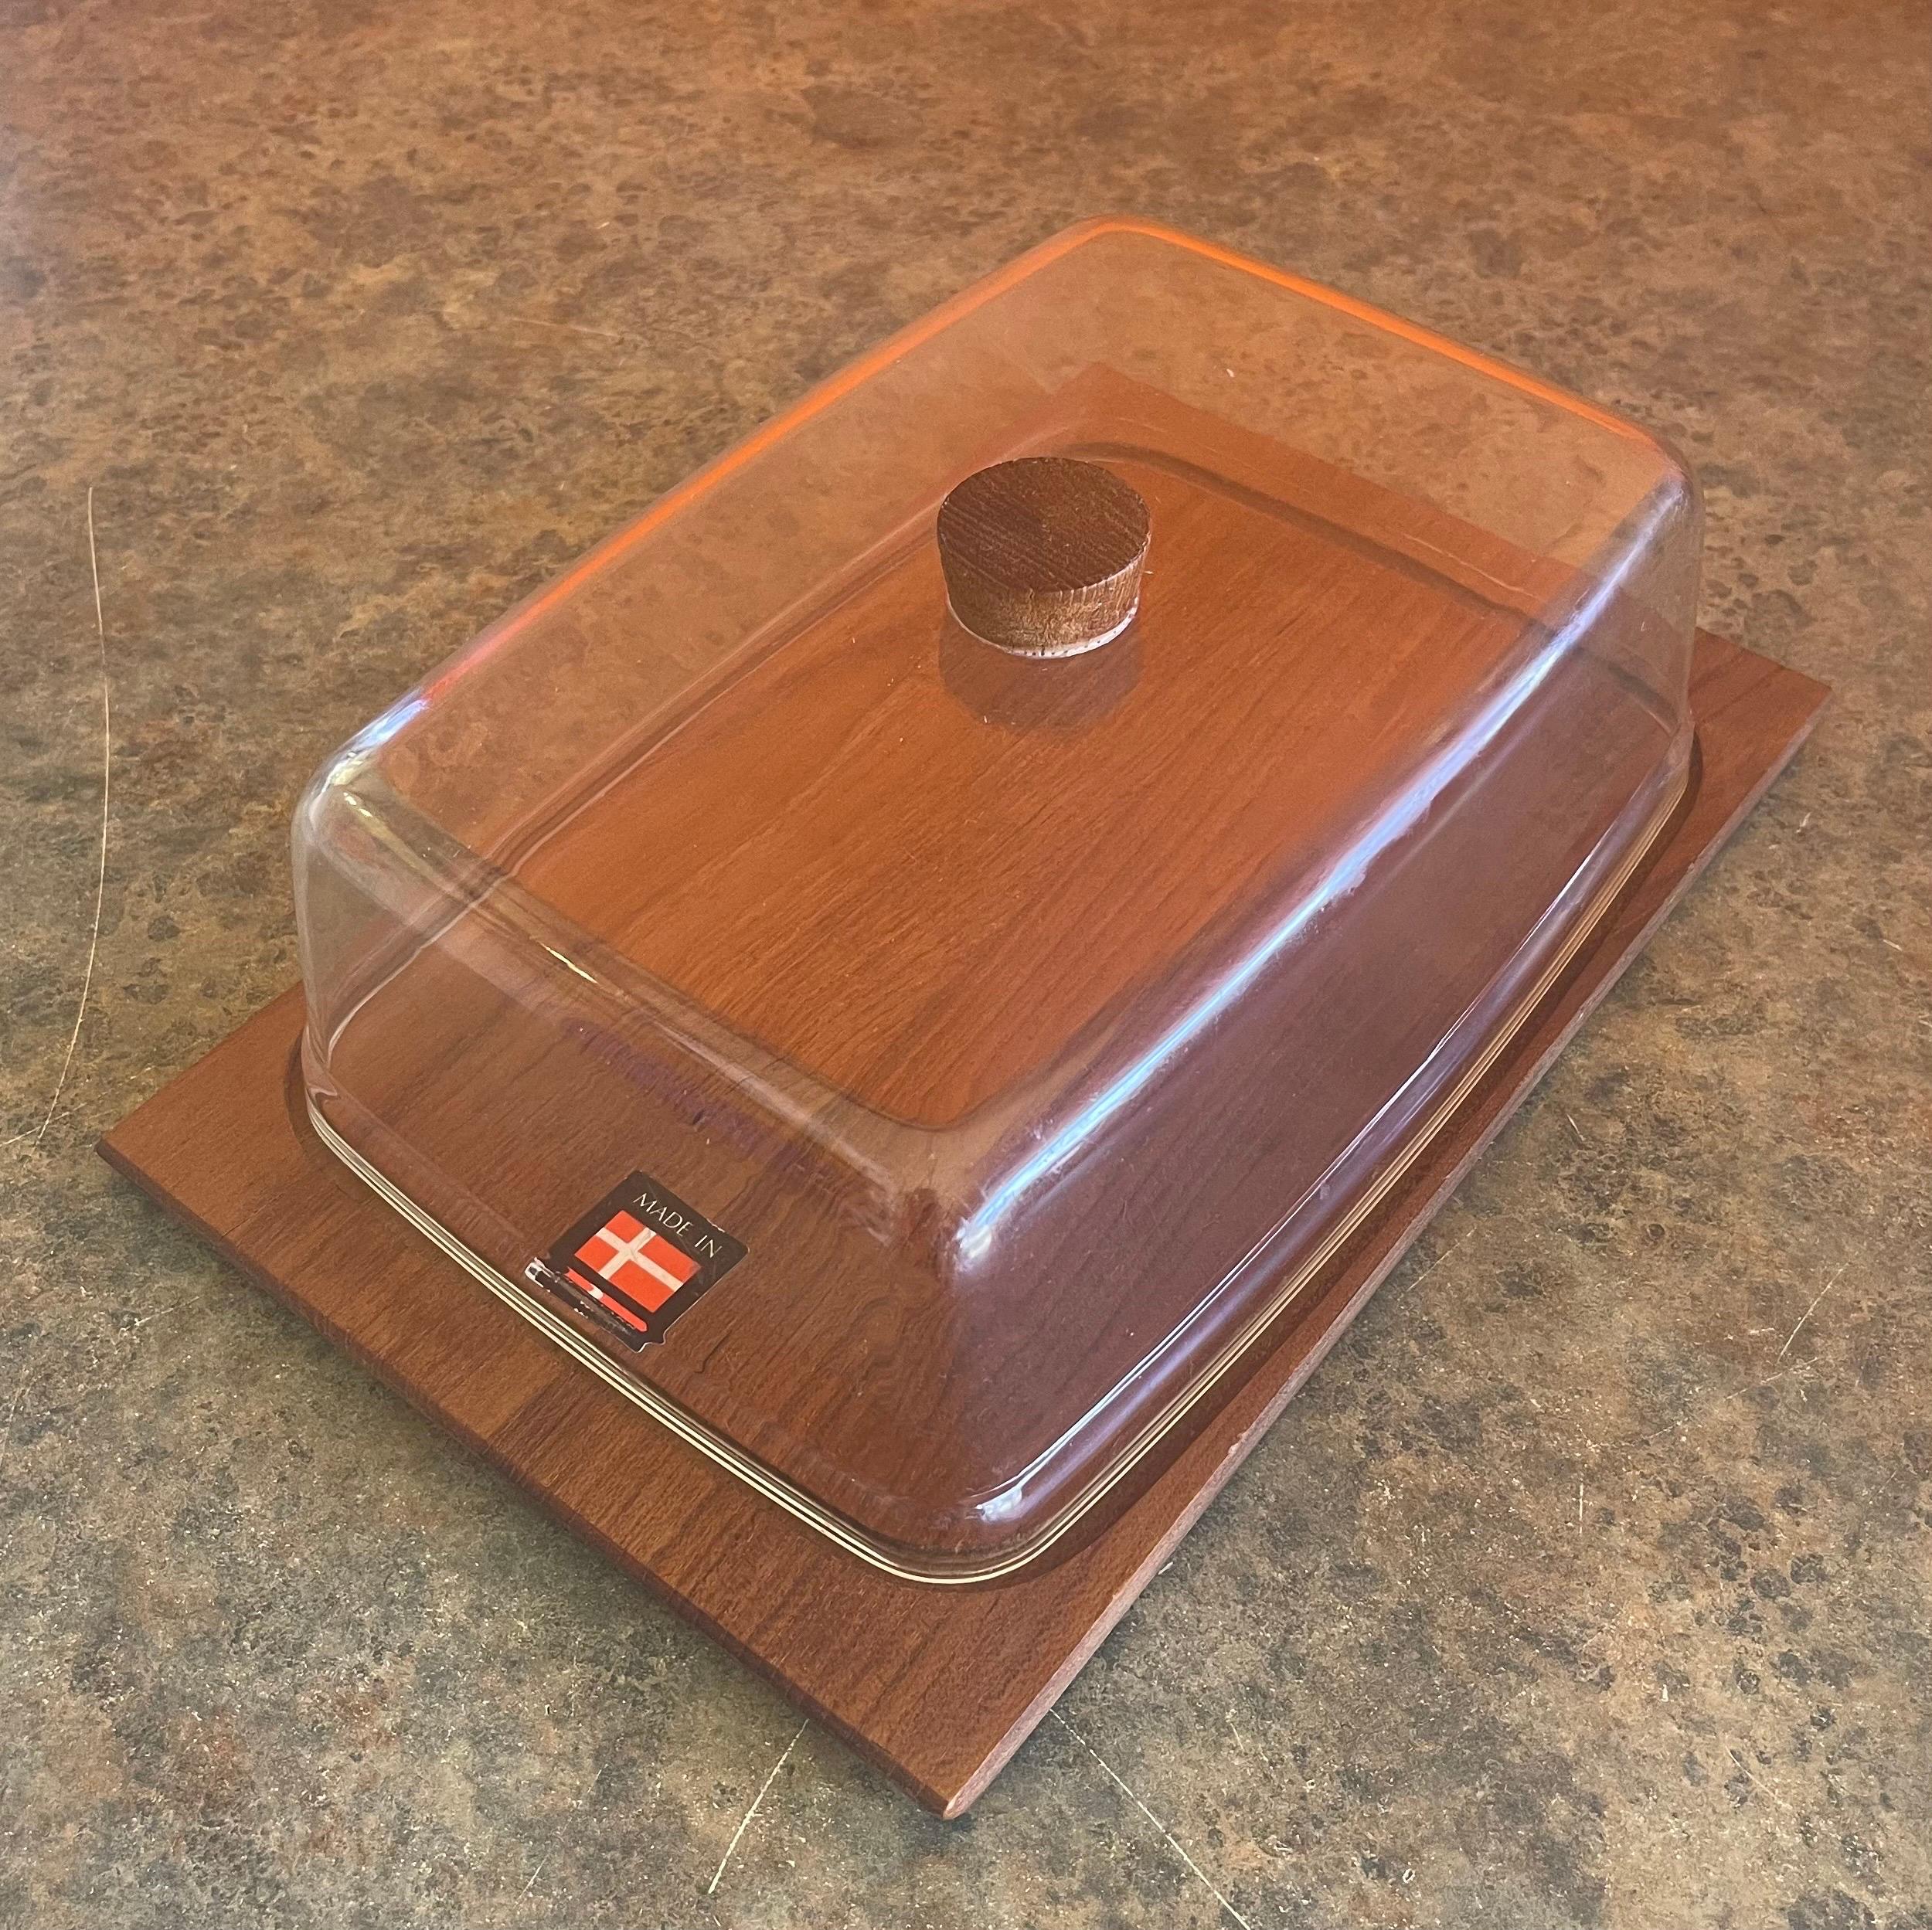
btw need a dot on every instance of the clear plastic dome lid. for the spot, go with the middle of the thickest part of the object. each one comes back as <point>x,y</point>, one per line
<point>919,1068</point>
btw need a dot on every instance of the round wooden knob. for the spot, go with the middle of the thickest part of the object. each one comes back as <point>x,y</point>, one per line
<point>1043,556</point>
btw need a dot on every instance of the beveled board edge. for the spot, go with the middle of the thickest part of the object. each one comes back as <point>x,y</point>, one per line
<point>953,1681</point>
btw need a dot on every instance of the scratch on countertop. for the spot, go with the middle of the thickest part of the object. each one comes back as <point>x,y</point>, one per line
<point>1173,1843</point>
<point>744,1822</point>
<point>101,877</point>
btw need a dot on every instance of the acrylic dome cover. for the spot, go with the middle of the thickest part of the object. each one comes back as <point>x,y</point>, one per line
<point>919,1075</point>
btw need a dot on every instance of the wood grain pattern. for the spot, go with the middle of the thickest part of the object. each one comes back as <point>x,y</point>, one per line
<point>947,1683</point>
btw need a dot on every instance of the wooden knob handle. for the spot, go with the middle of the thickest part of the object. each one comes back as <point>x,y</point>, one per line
<point>1043,556</point>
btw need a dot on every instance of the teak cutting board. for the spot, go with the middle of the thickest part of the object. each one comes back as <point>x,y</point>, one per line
<point>948,1682</point>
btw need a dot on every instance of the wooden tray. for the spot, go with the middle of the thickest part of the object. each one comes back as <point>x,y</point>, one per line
<point>950,1681</point>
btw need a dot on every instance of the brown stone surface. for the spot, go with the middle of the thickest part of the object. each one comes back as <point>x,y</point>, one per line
<point>1589,1582</point>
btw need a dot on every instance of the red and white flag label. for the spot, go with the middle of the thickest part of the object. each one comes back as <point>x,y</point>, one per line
<point>636,1261</point>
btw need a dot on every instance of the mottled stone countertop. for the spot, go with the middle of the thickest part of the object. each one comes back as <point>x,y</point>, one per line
<point>1590,1582</point>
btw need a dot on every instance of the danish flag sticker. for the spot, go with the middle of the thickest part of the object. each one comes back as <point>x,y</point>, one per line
<point>638,1260</point>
